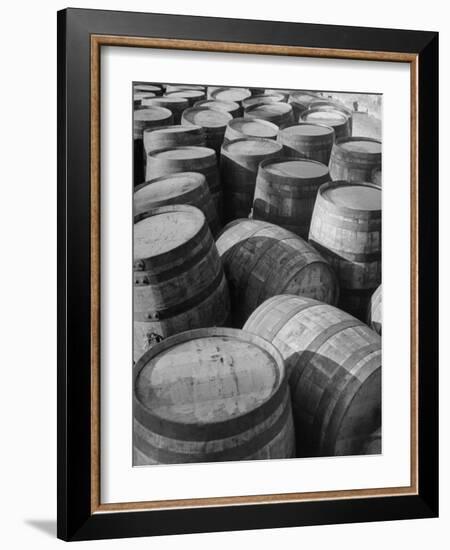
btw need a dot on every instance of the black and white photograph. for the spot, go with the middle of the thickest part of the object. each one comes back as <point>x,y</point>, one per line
<point>257,248</point>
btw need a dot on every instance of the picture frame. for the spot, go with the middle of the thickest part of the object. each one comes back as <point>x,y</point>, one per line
<point>81,35</point>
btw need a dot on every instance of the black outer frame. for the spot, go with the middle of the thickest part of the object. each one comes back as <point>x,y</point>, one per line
<point>75,521</point>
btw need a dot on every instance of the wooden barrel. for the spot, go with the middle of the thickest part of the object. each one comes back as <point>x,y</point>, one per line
<point>211,395</point>
<point>284,93</point>
<point>354,159</point>
<point>286,191</point>
<point>333,362</point>
<point>374,317</point>
<point>250,128</point>
<point>138,97</point>
<point>227,106</point>
<point>373,443</point>
<point>187,159</point>
<point>212,121</point>
<point>182,188</point>
<point>262,99</point>
<point>329,105</point>
<point>191,95</point>
<point>179,282</point>
<point>346,229</point>
<point>310,141</point>
<point>181,87</point>
<point>262,260</point>
<point>336,119</point>
<point>155,89</point>
<point>300,102</point>
<point>238,167</point>
<point>173,136</point>
<point>175,104</point>
<point>149,117</point>
<point>278,113</point>
<point>230,94</point>
<point>376,176</point>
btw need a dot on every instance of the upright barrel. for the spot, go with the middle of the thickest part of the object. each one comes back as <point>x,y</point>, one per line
<point>182,87</point>
<point>230,94</point>
<point>286,191</point>
<point>179,283</point>
<point>213,122</point>
<point>149,117</point>
<point>330,105</point>
<point>239,166</point>
<point>262,99</point>
<point>346,229</point>
<point>187,159</point>
<point>211,395</point>
<point>374,316</point>
<point>191,95</point>
<point>355,159</point>
<point>228,106</point>
<point>336,119</point>
<point>138,97</point>
<point>307,140</point>
<point>182,188</point>
<point>175,104</point>
<point>262,260</point>
<point>155,89</point>
<point>300,102</point>
<point>239,128</point>
<point>283,92</point>
<point>278,113</point>
<point>333,362</point>
<point>165,137</point>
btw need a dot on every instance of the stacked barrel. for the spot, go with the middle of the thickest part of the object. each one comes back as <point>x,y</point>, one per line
<point>257,276</point>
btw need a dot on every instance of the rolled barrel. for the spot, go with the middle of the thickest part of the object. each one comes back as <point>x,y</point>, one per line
<point>286,191</point>
<point>346,229</point>
<point>250,128</point>
<point>179,281</point>
<point>336,119</point>
<point>355,158</point>
<point>238,167</point>
<point>211,395</point>
<point>307,140</point>
<point>182,188</point>
<point>333,362</point>
<point>262,260</point>
<point>278,113</point>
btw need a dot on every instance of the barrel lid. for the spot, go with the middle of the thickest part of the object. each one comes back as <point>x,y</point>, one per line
<point>303,97</point>
<point>187,93</point>
<point>181,87</point>
<point>165,229</point>
<point>254,127</point>
<point>231,94</point>
<point>262,99</point>
<point>206,117</point>
<point>308,129</point>
<point>152,113</point>
<point>328,117</point>
<point>252,146</point>
<point>354,196</point>
<point>143,95</point>
<point>276,108</point>
<point>167,100</point>
<point>208,376</point>
<point>361,145</point>
<point>166,187</point>
<point>218,105</point>
<point>302,169</point>
<point>183,153</point>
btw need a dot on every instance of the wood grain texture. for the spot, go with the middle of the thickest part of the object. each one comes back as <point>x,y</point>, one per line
<point>375,317</point>
<point>308,140</point>
<point>262,260</point>
<point>355,159</point>
<point>334,366</point>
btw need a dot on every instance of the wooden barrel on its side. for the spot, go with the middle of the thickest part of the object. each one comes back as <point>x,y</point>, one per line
<point>179,135</point>
<point>155,89</point>
<point>239,128</point>
<point>175,104</point>
<point>262,99</point>
<point>374,317</point>
<point>278,113</point>
<point>354,159</point>
<point>182,188</point>
<point>227,106</point>
<point>300,102</point>
<point>238,167</point>
<point>336,119</point>
<point>262,260</point>
<point>333,362</point>
<point>307,140</point>
<point>179,283</point>
<point>149,117</point>
<point>230,94</point>
<point>188,159</point>
<point>191,95</point>
<point>211,395</point>
<point>346,229</point>
<point>213,122</point>
<point>286,191</point>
